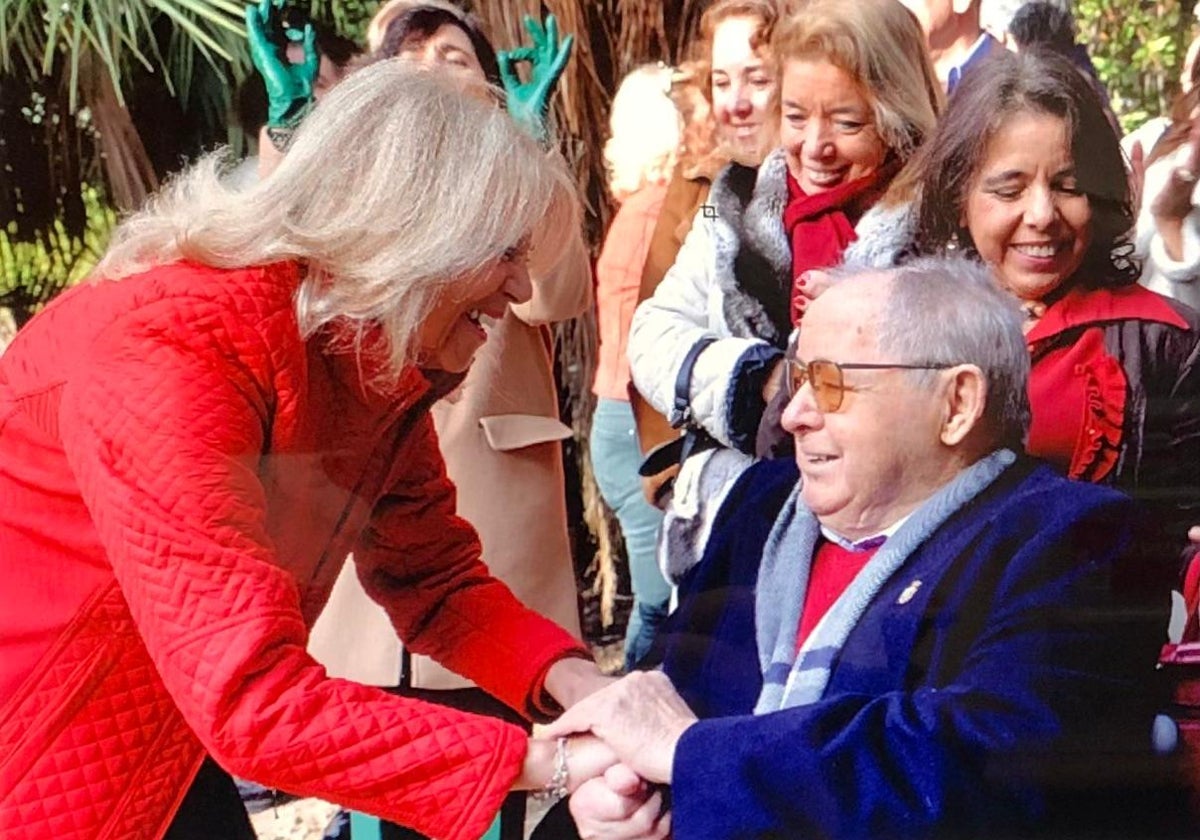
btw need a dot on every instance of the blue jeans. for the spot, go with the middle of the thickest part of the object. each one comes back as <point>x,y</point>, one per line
<point>615,461</point>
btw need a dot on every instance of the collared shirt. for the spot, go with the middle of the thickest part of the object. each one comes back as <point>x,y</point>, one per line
<point>866,544</point>
<point>981,49</point>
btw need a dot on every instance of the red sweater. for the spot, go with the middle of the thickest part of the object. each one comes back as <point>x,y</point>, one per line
<point>833,569</point>
<point>182,475</point>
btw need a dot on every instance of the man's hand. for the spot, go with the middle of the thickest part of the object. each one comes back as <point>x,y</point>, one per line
<point>529,102</point>
<point>620,806</point>
<point>641,717</point>
<point>289,86</point>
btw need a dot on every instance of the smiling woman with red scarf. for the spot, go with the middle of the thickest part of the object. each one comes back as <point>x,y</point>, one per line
<point>858,95</point>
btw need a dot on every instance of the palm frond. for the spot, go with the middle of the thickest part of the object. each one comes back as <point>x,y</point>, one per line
<point>43,33</point>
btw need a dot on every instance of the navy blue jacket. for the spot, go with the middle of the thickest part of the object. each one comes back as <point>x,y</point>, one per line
<point>1010,692</point>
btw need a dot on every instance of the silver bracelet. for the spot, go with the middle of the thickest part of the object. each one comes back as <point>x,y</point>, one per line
<point>556,788</point>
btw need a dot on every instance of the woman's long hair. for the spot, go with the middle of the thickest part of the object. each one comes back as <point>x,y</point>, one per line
<point>397,187</point>
<point>1004,85</point>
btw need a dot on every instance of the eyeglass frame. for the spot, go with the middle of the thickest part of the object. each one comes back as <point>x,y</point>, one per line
<point>791,363</point>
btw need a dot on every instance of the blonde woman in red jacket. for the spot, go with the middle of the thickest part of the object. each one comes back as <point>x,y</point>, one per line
<point>192,442</point>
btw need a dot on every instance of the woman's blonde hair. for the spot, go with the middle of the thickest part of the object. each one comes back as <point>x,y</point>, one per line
<point>880,44</point>
<point>397,188</point>
<point>645,131</point>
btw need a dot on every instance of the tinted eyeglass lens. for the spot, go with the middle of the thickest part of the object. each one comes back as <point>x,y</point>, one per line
<point>794,376</point>
<point>826,378</point>
<point>827,384</point>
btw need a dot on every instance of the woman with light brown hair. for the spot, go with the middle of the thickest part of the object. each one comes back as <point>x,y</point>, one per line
<point>734,76</point>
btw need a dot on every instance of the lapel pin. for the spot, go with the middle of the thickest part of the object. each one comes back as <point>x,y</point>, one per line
<point>909,592</point>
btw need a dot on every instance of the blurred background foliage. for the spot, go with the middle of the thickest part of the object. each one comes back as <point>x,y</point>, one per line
<point>1138,47</point>
<point>117,94</point>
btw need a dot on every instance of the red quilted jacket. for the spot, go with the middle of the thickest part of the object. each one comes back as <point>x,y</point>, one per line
<point>181,476</point>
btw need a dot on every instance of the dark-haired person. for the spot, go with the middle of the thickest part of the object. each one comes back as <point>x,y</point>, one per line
<point>1025,173</point>
<point>1050,26</point>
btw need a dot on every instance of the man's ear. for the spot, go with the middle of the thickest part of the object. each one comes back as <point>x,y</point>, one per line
<point>965,398</point>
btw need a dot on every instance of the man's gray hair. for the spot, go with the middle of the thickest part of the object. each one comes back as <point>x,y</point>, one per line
<point>951,311</point>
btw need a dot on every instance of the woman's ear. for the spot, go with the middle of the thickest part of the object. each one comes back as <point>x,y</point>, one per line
<point>965,398</point>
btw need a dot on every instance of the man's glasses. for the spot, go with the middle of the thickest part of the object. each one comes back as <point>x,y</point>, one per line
<point>828,383</point>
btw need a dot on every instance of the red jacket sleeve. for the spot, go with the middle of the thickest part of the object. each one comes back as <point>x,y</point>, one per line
<point>164,430</point>
<point>463,617</point>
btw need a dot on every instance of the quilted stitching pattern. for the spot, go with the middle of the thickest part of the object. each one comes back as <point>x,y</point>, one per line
<point>215,547</point>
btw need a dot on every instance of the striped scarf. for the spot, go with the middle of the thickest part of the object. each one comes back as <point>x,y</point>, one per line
<point>792,678</point>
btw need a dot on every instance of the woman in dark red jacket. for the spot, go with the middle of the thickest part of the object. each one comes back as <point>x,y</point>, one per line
<point>1025,173</point>
<point>193,442</point>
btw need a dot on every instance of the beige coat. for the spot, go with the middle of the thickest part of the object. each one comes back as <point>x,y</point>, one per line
<point>501,438</point>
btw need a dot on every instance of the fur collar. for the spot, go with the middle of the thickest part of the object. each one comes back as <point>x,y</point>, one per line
<point>753,257</point>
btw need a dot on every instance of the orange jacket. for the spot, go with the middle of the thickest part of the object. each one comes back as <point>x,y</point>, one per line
<point>182,476</point>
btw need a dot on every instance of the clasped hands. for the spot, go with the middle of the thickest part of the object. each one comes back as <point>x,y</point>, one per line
<point>624,736</point>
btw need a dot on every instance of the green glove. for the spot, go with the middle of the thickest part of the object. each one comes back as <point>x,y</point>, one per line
<point>289,86</point>
<point>529,102</point>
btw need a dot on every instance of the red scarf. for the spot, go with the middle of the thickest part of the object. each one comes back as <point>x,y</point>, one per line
<point>820,226</point>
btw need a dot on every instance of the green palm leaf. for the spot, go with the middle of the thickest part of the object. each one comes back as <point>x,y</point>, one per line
<point>50,36</point>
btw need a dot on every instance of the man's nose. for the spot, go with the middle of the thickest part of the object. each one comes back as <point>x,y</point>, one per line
<point>801,413</point>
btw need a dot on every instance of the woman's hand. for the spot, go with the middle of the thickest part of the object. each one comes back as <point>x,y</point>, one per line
<point>529,102</point>
<point>587,757</point>
<point>289,86</point>
<point>573,678</point>
<point>1173,203</point>
<point>641,717</point>
<point>809,286</point>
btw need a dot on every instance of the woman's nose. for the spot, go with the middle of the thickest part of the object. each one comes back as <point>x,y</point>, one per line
<point>519,286</point>
<point>815,138</point>
<point>1040,209</point>
<point>742,106</point>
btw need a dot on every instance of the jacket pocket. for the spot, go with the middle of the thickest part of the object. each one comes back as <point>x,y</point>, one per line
<point>506,432</point>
